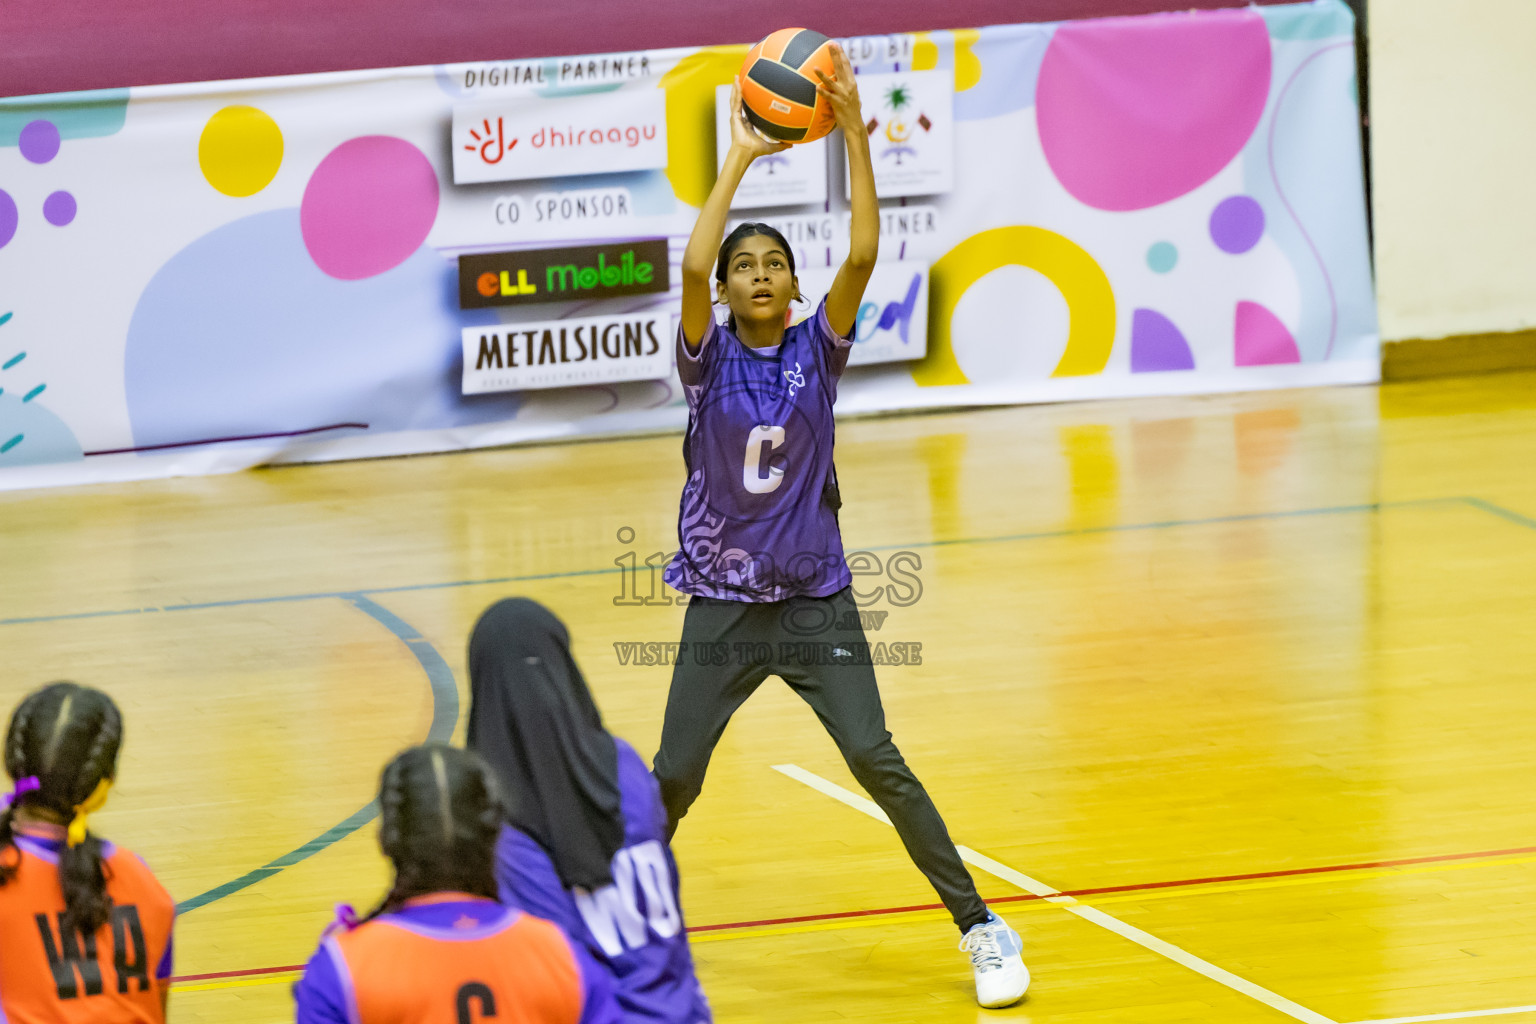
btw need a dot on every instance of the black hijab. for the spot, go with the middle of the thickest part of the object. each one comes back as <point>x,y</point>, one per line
<point>532,718</point>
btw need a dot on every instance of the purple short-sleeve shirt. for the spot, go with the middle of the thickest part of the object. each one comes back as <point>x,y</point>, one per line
<point>758,519</point>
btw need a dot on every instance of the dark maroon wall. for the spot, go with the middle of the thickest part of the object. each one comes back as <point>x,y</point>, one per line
<point>61,45</point>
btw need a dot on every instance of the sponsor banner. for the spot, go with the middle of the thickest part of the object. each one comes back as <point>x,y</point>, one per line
<point>602,69</point>
<point>567,353</point>
<point>895,48</point>
<point>583,209</point>
<point>529,137</point>
<point>910,118</point>
<point>490,217</point>
<point>821,238</point>
<point>792,178</point>
<point>892,325</point>
<point>1061,267</point>
<point>584,272</point>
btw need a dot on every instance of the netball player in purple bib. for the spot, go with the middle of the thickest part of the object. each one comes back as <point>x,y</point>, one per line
<point>586,844</point>
<point>761,555</point>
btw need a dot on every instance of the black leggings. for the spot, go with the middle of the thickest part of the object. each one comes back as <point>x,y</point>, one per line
<point>715,674</point>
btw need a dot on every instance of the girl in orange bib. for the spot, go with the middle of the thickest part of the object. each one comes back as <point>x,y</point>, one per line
<point>84,926</point>
<point>439,949</point>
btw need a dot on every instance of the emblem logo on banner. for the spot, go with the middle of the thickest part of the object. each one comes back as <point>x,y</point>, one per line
<point>539,137</point>
<point>556,275</point>
<point>910,119</point>
<point>567,353</point>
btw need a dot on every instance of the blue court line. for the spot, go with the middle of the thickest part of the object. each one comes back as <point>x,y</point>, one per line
<point>1163,524</point>
<point>1501,512</point>
<point>445,715</point>
<point>319,595</point>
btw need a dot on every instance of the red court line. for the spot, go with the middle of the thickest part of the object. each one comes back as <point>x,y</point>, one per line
<point>1021,898</point>
<point>729,925</point>
<point>237,974</point>
<point>1286,872</point>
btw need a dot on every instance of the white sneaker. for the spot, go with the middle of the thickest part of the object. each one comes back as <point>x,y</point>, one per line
<point>996,958</point>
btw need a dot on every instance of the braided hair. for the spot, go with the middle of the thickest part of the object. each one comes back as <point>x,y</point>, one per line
<point>67,736</point>
<point>440,817</point>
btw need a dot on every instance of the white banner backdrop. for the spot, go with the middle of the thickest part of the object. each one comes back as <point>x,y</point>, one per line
<point>199,278</point>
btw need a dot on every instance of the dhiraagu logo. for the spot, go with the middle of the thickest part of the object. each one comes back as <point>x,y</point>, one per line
<point>554,275</point>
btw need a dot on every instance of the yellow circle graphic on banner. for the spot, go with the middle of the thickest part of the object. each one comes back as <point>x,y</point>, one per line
<point>690,87</point>
<point>1082,282</point>
<point>925,55</point>
<point>240,150</point>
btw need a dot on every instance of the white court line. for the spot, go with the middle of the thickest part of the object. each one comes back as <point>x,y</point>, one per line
<point>1090,914</point>
<point>1452,1016</point>
<point>970,856</point>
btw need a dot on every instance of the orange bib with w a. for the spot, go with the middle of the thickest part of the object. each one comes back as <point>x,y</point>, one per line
<point>53,975</point>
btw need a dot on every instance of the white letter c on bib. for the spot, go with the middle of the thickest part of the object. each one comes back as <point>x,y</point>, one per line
<point>772,437</point>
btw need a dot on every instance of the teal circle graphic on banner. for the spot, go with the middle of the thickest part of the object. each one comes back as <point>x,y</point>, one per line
<point>1162,257</point>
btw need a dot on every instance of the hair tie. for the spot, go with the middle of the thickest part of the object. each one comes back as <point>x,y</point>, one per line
<point>25,785</point>
<point>345,920</point>
<point>83,810</point>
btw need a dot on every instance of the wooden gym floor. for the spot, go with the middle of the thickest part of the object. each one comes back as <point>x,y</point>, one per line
<point>1247,678</point>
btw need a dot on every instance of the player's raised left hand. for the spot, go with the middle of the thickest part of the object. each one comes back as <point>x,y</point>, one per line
<point>843,93</point>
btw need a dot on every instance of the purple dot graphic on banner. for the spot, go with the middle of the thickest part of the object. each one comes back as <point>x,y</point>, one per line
<point>7,217</point>
<point>368,206</point>
<point>59,208</point>
<point>1156,344</point>
<point>39,141</point>
<point>1237,224</point>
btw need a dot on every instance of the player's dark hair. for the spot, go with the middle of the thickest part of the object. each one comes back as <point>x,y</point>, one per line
<point>66,736</point>
<point>440,816</point>
<point>741,234</point>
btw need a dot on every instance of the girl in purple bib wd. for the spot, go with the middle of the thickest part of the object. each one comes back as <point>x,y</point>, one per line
<point>586,842</point>
<point>761,556</point>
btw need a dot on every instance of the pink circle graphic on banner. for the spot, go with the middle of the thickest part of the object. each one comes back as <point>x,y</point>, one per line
<point>368,206</point>
<point>1135,112</point>
<point>1260,339</point>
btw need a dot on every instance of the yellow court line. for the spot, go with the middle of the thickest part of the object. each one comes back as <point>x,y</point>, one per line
<point>271,979</point>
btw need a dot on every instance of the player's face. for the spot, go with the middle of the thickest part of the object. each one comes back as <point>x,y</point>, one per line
<point>758,283</point>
